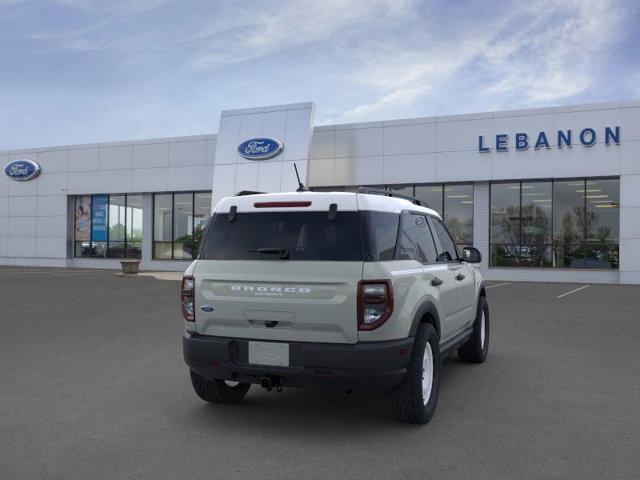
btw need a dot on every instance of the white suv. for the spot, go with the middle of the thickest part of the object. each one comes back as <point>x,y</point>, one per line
<point>357,291</point>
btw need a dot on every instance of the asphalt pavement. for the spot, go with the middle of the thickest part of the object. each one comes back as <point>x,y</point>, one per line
<point>93,386</point>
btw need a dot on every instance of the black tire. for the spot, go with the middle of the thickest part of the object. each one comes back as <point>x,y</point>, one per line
<point>217,391</point>
<point>406,401</point>
<point>475,350</point>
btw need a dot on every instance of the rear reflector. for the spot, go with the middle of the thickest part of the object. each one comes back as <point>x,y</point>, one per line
<point>281,204</point>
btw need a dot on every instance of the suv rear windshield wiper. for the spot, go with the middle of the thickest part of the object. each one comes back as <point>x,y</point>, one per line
<point>283,252</point>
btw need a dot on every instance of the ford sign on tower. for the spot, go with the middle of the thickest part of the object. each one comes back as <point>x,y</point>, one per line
<point>260,148</point>
<point>22,170</point>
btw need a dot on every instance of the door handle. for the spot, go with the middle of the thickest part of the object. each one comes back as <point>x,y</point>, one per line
<point>460,277</point>
<point>436,282</point>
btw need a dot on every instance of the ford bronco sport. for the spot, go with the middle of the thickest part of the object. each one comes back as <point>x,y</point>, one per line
<point>357,291</point>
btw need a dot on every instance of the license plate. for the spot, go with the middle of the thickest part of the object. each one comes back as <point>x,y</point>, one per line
<point>269,353</point>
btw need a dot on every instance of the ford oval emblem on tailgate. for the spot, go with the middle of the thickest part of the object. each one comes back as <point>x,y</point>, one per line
<point>207,308</point>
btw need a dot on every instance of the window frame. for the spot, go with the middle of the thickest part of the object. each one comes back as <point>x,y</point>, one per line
<point>173,215</point>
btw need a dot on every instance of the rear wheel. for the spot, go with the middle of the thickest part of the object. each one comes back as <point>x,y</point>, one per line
<point>414,401</point>
<point>476,348</point>
<point>219,391</point>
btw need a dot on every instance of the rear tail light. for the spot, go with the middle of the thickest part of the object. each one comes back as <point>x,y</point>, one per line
<point>375,303</point>
<point>187,298</point>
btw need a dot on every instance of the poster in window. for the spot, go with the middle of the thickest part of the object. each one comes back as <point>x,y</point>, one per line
<point>83,219</point>
<point>99,218</point>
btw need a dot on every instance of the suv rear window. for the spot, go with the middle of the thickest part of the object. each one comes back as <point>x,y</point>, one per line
<point>303,235</point>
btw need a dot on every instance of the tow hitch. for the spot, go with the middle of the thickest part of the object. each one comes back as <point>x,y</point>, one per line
<point>271,382</point>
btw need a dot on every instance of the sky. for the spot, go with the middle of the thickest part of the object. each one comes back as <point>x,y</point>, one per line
<point>80,71</point>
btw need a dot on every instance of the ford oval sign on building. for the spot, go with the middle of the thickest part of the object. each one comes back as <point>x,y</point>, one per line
<point>22,170</point>
<point>260,148</point>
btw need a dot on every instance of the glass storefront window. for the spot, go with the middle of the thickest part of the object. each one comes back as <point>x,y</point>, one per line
<point>134,226</point>
<point>431,195</point>
<point>458,213</point>
<point>564,224</point>
<point>505,224</point>
<point>108,226</point>
<point>179,220</point>
<point>182,225</point>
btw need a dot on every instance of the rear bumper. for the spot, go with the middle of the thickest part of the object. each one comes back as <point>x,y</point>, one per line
<point>373,367</point>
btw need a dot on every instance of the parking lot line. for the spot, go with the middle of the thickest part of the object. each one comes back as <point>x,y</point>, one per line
<point>498,285</point>
<point>573,291</point>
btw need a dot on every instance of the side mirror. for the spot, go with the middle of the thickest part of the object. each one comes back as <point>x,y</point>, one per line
<point>471,255</point>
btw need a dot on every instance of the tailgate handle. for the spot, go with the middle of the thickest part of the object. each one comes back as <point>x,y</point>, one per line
<point>270,323</point>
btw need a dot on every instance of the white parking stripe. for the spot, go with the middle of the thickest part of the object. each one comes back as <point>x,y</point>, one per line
<point>573,291</point>
<point>498,285</point>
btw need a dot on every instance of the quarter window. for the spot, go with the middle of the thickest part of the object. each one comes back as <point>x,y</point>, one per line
<point>424,240</point>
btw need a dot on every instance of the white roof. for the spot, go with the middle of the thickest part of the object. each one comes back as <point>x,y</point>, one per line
<point>319,201</point>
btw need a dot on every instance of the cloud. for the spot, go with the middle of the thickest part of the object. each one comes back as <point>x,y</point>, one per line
<point>542,53</point>
<point>264,31</point>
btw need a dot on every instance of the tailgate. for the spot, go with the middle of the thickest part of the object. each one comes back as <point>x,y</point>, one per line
<point>306,301</point>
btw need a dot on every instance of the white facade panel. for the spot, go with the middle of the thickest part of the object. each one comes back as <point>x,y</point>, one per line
<point>406,168</point>
<point>630,157</point>
<point>297,135</point>
<point>463,166</point>
<point>358,142</point>
<point>23,189</point>
<point>117,157</point>
<point>463,135</point>
<point>188,178</point>
<point>150,180</point>
<point>83,159</point>
<point>21,246</point>
<point>22,206</point>
<point>408,139</point>
<point>84,182</point>
<point>322,145</point>
<point>630,121</point>
<point>51,247</point>
<point>322,172</point>
<point>52,226</point>
<point>51,205</point>
<point>188,153</point>
<point>22,227</point>
<point>52,183</point>
<point>115,181</point>
<point>53,161</point>
<point>359,171</point>
<point>151,155</point>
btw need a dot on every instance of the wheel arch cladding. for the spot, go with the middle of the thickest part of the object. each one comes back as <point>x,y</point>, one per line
<point>426,313</point>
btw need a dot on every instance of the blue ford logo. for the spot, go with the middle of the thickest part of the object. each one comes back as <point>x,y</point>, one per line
<point>22,170</point>
<point>260,148</point>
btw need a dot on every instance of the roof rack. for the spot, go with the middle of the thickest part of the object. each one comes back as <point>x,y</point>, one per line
<point>247,192</point>
<point>389,193</point>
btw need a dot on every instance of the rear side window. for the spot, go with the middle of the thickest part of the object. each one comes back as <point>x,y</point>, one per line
<point>424,240</point>
<point>380,231</point>
<point>406,238</point>
<point>303,235</point>
<point>447,251</point>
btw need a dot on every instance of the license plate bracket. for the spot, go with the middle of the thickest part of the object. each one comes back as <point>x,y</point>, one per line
<point>269,353</point>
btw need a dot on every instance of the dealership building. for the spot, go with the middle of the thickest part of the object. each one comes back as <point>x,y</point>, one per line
<point>548,194</point>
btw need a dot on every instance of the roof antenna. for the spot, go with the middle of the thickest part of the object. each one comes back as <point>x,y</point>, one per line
<point>301,187</point>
